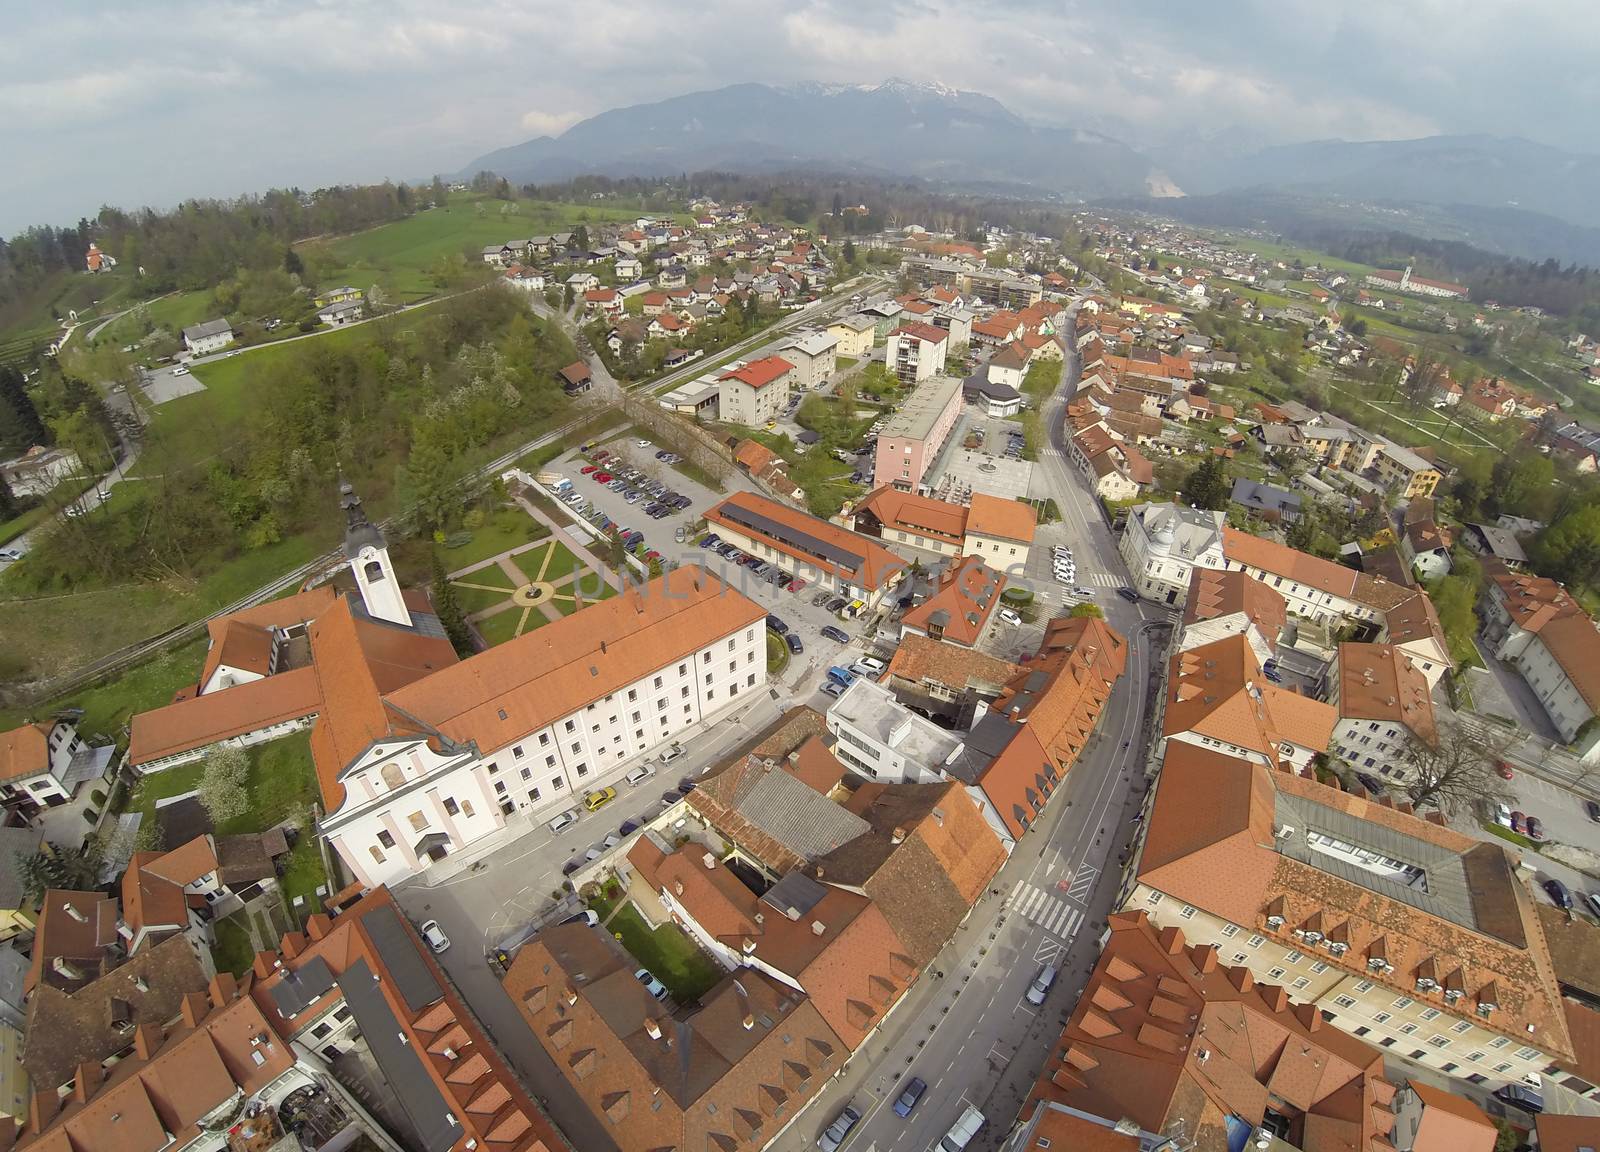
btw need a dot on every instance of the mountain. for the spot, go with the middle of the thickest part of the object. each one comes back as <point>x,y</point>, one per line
<point>894,129</point>
<point>1479,171</point>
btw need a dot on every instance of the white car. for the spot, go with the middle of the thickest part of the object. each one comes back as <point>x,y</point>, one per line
<point>869,665</point>
<point>1009,617</point>
<point>181,370</point>
<point>642,443</point>
<point>671,754</point>
<point>434,935</point>
<point>655,987</point>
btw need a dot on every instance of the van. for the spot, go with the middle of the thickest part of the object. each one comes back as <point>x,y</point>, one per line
<point>639,775</point>
<point>1042,983</point>
<point>962,1131</point>
<point>1521,1097</point>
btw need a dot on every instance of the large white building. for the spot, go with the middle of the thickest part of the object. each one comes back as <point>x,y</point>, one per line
<point>814,356</point>
<point>1164,543</point>
<point>886,741</point>
<point>1384,707</point>
<point>212,336</point>
<point>755,393</point>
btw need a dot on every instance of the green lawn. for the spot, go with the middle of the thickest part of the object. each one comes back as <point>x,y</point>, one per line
<point>108,707</point>
<point>1507,834</point>
<point>503,530</point>
<point>282,784</point>
<point>403,254</point>
<point>549,561</point>
<point>303,874</point>
<point>502,626</point>
<point>699,475</point>
<point>672,957</point>
<point>777,654</point>
<point>477,599</point>
<point>232,951</point>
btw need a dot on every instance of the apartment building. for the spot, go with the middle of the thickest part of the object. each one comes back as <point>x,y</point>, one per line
<point>855,335</point>
<point>1542,632</point>
<point>915,352</point>
<point>1223,604</point>
<point>814,356</point>
<point>958,607</point>
<point>910,440</point>
<point>885,741</point>
<point>1403,471</point>
<point>755,393</point>
<point>1396,929</point>
<point>856,567</point>
<point>999,531</point>
<point>1384,705</point>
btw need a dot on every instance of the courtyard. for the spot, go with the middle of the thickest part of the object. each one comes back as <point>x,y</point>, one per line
<point>525,588</point>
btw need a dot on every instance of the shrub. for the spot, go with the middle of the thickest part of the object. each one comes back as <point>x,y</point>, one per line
<point>1016,596</point>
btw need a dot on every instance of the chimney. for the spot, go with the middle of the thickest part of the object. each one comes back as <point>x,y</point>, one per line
<point>71,910</point>
<point>319,925</point>
<point>938,817</point>
<point>141,983</point>
<point>677,886</point>
<point>85,1080</point>
<point>709,861</point>
<point>223,989</point>
<point>898,835</point>
<point>818,927</point>
<point>748,1022</point>
<point>193,1008</point>
<point>602,647</point>
<point>749,945</point>
<point>572,994</point>
<point>293,944</point>
<point>146,1041</point>
<point>819,871</point>
<point>652,1029</point>
<point>66,969</point>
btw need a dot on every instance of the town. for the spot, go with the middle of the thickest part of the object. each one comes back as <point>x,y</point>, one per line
<point>679,664</point>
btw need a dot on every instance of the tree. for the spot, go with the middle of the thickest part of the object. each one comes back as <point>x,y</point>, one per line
<point>838,205</point>
<point>439,194</point>
<point>292,264</point>
<point>1091,610</point>
<point>8,502</point>
<point>20,425</point>
<point>849,252</point>
<point>224,784</point>
<point>580,238</point>
<point>69,871</point>
<point>432,475</point>
<point>1570,548</point>
<point>1207,486</point>
<point>1302,532</point>
<point>567,298</point>
<point>1454,771</point>
<point>448,609</point>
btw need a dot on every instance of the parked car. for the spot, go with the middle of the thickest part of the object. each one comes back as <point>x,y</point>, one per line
<point>599,798</point>
<point>1593,901</point>
<point>588,916</point>
<point>1042,983</point>
<point>844,677</point>
<point>837,603</point>
<point>837,635</point>
<point>655,987</point>
<point>1520,1096</point>
<point>870,664</point>
<point>1518,822</point>
<point>1007,616</point>
<point>434,935</point>
<point>564,821</point>
<point>687,785</point>
<point>1558,893</point>
<point>833,688</point>
<point>1503,770</point>
<point>907,1100</point>
<point>776,624</point>
<point>794,643</point>
<point>962,1131</point>
<point>1592,807</point>
<point>588,468</point>
<point>1535,828</point>
<point>637,776</point>
<point>671,754</point>
<point>1371,783</point>
<point>834,1135</point>
<point>9,555</point>
<point>628,827</point>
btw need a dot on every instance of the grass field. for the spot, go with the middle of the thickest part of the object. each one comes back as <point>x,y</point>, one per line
<point>108,707</point>
<point>669,953</point>
<point>401,256</point>
<point>548,562</point>
<point>1288,253</point>
<point>282,784</point>
<point>502,530</point>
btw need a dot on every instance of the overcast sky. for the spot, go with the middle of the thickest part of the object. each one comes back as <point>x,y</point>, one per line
<point>152,102</point>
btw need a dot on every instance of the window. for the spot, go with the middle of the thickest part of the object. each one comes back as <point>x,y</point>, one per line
<point>731,643</point>
<point>549,761</point>
<point>1439,1041</point>
<point>1153,899</point>
<point>544,739</point>
<point>1364,986</point>
<point>1230,931</point>
<point>418,821</point>
<point>1430,1013</point>
<point>1408,1029</point>
<point>1301,981</point>
<point>1187,911</point>
<point>1256,941</point>
<point>583,769</point>
<point>376,855</point>
<point>386,838</point>
<point>576,748</point>
<point>493,768</point>
<point>1240,957</point>
<point>1383,1017</point>
<point>1502,1068</point>
<point>558,782</point>
<point>1345,1001</point>
<point>1319,967</point>
<point>572,726</point>
<point>1526,1053</point>
<point>451,806</point>
<point>527,773</point>
<point>1499,1041</point>
<point>533,795</point>
<point>1277,973</point>
<point>683,692</point>
<point>657,682</point>
<point>1293,957</point>
<point>517,752</point>
<point>633,694</point>
<point>1403,1002</point>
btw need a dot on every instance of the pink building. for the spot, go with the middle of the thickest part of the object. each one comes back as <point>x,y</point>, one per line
<point>912,437</point>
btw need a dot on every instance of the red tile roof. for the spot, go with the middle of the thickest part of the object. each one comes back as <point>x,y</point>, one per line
<point>1000,519</point>
<point>1281,560</point>
<point>920,515</point>
<point>25,751</point>
<point>760,373</point>
<point>925,332</point>
<point>960,606</point>
<point>200,721</point>
<point>1214,594</point>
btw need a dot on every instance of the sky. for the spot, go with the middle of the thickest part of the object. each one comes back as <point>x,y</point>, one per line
<point>151,103</point>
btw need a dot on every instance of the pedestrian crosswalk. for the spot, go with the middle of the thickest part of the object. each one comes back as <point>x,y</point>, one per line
<point>1049,912</point>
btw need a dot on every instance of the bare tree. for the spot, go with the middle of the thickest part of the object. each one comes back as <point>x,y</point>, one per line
<point>1454,771</point>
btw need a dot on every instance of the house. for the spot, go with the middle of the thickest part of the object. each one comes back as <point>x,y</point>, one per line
<point>97,260</point>
<point>1325,896</point>
<point>1000,531</point>
<point>204,339</point>
<point>957,609</point>
<point>500,255</point>
<point>1429,1119</point>
<point>910,440</point>
<point>523,278</point>
<point>1423,546</point>
<point>1385,710</point>
<point>766,466</point>
<point>575,378</point>
<point>1217,697</point>
<point>851,565</point>
<point>1223,604</point>
<point>1116,471</point>
<point>628,268</point>
<point>1163,543</point>
<point>669,325</point>
<point>184,890</point>
<point>997,401</point>
<point>814,356</point>
<point>1404,472</point>
<point>603,302</point>
<point>909,524</point>
<point>855,335</point>
<point>1008,366</point>
<point>1492,540</point>
<point>39,469</point>
<point>1175,1046</point>
<point>1275,505</point>
<point>43,765</point>
<point>915,352</point>
<point>756,392</point>
<point>337,315</point>
<point>341,295</point>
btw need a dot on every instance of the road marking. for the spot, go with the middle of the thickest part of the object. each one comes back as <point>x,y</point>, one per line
<point>1049,912</point>
<point>1082,883</point>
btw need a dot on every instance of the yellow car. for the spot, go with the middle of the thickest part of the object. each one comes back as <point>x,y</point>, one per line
<point>595,801</point>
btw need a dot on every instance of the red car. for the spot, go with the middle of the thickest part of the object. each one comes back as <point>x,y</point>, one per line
<point>796,584</point>
<point>599,454</point>
<point>652,555</point>
<point>588,468</point>
<point>1503,770</point>
<point>602,477</point>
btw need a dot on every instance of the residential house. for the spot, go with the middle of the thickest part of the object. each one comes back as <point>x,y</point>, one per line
<point>755,393</point>
<point>1385,710</point>
<point>814,356</point>
<point>204,339</point>
<point>764,465</point>
<point>1000,531</point>
<point>1163,543</point>
<point>911,439</point>
<point>1403,471</point>
<point>1116,471</point>
<point>501,255</point>
<point>344,312</point>
<point>1275,505</point>
<point>604,302</point>
<point>1008,366</point>
<point>1224,604</point>
<point>44,765</point>
<point>1492,540</point>
<point>958,608</point>
<point>39,469</point>
<point>851,565</point>
<point>628,268</point>
<point>523,279</point>
<point>1429,1119</point>
<point>1389,926</point>
<point>855,335</point>
<point>916,352</point>
<point>1424,547</point>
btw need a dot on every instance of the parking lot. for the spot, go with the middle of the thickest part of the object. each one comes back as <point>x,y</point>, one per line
<point>621,453</point>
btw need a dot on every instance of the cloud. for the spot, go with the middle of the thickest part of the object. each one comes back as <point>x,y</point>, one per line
<point>102,102</point>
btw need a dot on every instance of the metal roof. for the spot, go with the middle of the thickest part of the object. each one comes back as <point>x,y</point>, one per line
<point>796,891</point>
<point>788,534</point>
<point>301,987</point>
<point>398,949</point>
